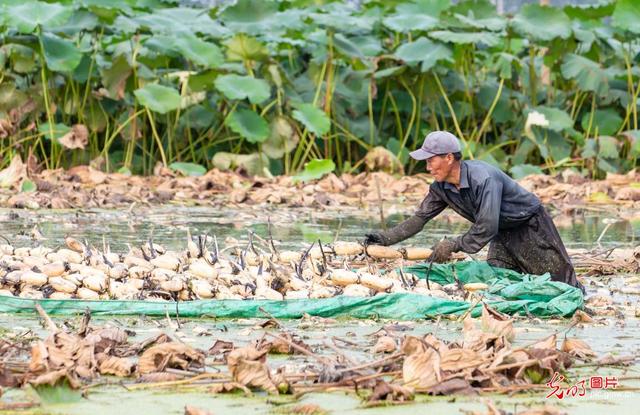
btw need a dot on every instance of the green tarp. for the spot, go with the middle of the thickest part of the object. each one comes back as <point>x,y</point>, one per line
<point>508,292</point>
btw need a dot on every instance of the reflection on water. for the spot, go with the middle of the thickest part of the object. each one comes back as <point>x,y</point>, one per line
<point>292,226</point>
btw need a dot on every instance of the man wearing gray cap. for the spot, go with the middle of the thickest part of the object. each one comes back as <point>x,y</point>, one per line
<point>518,229</point>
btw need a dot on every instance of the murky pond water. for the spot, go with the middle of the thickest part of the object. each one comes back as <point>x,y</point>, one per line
<point>167,225</point>
<point>293,227</point>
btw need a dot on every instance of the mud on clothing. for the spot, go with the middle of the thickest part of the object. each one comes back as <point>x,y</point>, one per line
<point>512,220</point>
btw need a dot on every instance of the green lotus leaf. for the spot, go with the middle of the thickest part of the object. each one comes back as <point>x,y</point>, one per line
<point>558,119</point>
<point>488,38</point>
<point>384,73</point>
<point>242,48</point>
<point>542,22</point>
<point>253,164</point>
<point>608,147</point>
<point>634,140</point>
<point>198,51</point>
<point>115,77</point>
<point>591,10</point>
<point>626,15</point>
<point>425,51</point>
<point>58,130</point>
<point>315,169</point>
<point>60,54</point>
<point>313,118</point>
<point>249,125</point>
<point>523,170</point>
<point>241,87</point>
<point>188,169</point>
<point>480,14</point>
<point>28,186</point>
<point>181,20</point>
<point>416,15</point>
<point>346,46</point>
<point>607,121</point>
<point>158,98</point>
<point>26,17</point>
<point>80,20</point>
<point>587,73</point>
<point>250,16</point>
<point>283,138</point>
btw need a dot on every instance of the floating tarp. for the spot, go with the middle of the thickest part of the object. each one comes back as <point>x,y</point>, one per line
<point>508,292</point>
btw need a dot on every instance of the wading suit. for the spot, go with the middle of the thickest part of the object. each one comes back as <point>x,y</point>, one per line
<point>518,229</point>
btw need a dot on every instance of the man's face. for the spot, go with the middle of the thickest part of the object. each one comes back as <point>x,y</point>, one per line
<point>440,166</point>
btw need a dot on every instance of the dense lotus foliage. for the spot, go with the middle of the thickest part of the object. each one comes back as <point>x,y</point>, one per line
<point>274,86</point>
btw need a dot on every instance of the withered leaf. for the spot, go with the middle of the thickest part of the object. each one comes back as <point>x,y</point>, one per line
<point>577,348</point>
<point>169,355</point>
<point>280,346</point>
<point>56,377</point>
<point>548,343</point>
<point>220,347</point>
<point>117,366</point>
<point>247,367</point>
<point>384,391</point>
<point>77,137</point>
<point>227,387</point>
<point>422,369</point>
<point>192,410</point>
<point>385,344</point>
<point>458,386</point>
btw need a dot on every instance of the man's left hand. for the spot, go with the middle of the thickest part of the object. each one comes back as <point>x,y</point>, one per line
<point>441,252</point>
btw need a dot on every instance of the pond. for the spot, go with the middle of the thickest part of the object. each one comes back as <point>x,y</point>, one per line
<point>292,227</point>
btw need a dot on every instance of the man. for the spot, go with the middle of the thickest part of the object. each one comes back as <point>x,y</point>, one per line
<point>519,231</point>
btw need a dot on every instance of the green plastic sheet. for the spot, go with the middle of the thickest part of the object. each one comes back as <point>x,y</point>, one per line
<point>508,292</point>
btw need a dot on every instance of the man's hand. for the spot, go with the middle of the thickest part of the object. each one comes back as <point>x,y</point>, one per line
<point>374,238</point>
<point>441,252</point>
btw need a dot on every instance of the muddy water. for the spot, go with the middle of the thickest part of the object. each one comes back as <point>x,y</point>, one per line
<point>618,336</point>
<point>612,337</point>
<point>167,225</point>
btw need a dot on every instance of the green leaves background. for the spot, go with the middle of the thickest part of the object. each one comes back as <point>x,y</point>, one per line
<point>283,84</point>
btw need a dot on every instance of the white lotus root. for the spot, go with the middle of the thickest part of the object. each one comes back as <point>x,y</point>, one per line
<point>203,271</point>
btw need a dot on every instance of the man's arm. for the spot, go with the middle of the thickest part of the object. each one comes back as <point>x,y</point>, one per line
<point>487,218</point>
<point>430,207</point>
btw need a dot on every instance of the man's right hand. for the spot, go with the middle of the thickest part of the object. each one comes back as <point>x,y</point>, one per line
<point>374,238</point>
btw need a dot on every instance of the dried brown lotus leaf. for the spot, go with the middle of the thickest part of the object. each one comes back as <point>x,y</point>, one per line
<point>385,344</point>
<point>227,387</point>
<point>412,345</point>
<point>169,355</point>
<point>455,360</point>
<point>220,347</point>
<point>247,367</point>
<point>192,410</point>
<point>77,137</point>
<point>548,343</point>
<point>390,392</point>
<point>422,369</point>
<point>578,348</point>
<point>581,317</point>
<point>497,324</point>
<point>56,377</point>
<point>39,358</point>
<point>117,366</point>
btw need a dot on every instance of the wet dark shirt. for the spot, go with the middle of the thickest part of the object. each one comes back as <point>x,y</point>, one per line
<point>487,197</point>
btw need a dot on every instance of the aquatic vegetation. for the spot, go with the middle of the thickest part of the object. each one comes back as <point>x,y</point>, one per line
<point>269,87</point>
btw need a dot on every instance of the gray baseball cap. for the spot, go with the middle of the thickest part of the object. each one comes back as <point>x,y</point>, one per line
<point>437,143</point>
